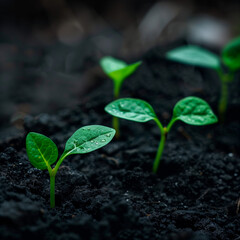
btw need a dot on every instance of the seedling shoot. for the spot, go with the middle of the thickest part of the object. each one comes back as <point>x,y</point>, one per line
<point>118,71</point>
<point>42,151</point>
<point>191,110</point>
<point>198,56</point>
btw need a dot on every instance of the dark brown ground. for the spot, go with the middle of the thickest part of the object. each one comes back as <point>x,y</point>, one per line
<point>111,193</point>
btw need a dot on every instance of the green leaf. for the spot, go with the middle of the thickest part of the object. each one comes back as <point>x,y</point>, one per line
<point>195,56</point>
<point>88,139</point>
<point>41,150</point>
<point>231,54</point>
<point>116,69</point>
<point>110,64</point>
<point>194,111</point>
<point>131,109</point>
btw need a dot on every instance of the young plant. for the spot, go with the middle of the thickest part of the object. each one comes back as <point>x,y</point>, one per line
<point>118,71</point>
<point>197,56</point>
<point>42,151</point>
<point>191,110</point>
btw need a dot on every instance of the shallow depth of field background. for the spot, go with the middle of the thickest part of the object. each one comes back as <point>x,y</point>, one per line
<point>49,50</point>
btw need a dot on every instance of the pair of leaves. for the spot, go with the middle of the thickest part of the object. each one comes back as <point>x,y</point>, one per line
<point>198,56</point>
<point>42,151</point>
<point>116,69</point>
<point>191,110</point>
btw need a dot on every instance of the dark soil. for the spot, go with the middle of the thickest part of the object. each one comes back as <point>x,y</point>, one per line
<point>111,193</point>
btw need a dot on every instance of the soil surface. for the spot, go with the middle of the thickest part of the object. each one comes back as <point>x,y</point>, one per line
<point>111,193</point>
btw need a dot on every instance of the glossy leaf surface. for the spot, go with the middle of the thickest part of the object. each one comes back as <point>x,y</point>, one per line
<point>88,139</point>
<point>194,111</point>
<point>231,54</point>
<point>41,150</point>
<point>195,56</point>
<point>131,109</point>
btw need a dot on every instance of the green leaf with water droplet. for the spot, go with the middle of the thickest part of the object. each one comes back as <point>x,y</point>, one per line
<point>116,69</point>
<point>131,109</point>
<point>194,111</point>
<point>231,54</point>
<point>88,139</point>
<point>41,150</point>
<point>195,56</point>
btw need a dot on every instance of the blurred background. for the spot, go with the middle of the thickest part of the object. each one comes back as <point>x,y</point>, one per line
<point>49,49</point>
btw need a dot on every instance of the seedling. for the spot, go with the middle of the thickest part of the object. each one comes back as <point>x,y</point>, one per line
<point>42,151</point>
<point>197,56</point>
<point>118,71</point>
<point>191,110</point>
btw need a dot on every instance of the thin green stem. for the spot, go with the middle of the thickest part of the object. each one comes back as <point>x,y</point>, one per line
<point>226,78</point>
<point>222,106</point>
<point>160,126</point>
<point>116,89</point>
<point>160,147</point>
<point>59,163</point>
<point>159,153</point>
<point>115,120</point>
<point>52,174</point>
<point>52,190</point>
<point>169,126</point>
<point>115,123</point>
<point>49,168</point>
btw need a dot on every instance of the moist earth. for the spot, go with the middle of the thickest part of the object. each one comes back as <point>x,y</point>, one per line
<point>111,193</point>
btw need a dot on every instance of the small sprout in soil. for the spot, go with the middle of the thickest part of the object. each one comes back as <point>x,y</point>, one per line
<point>191,110</point>
<point>42,151</point>
<point>198,56</point>
<point>118,71</point>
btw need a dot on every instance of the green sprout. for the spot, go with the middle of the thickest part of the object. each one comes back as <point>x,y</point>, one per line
<point>42,151</point>
<point>197,56</point>
<point>118,71</point>
<point>191,110</point>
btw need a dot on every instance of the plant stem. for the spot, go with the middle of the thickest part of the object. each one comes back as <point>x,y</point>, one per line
<point>52,174</point>
<point>159,153</point>
<point>64,155</point>
<point>52,190</point>
<point>160,147</point>
<point>115,120</point>
<point>222,106</point>
<point>169,126</point>
<point>226,78</point>
<point>116,90</point>
<point>115,123</point>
